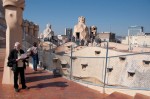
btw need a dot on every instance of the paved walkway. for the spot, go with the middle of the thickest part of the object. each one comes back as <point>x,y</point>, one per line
<point>43,85</point>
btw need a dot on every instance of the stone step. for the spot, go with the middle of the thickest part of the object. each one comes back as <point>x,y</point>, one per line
<point>141,96</point>
<point>118,95</point>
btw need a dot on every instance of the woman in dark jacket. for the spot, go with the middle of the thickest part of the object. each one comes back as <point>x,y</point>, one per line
<point>18,65</point>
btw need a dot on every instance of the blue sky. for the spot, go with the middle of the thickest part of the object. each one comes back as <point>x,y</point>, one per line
<point>108,15</point>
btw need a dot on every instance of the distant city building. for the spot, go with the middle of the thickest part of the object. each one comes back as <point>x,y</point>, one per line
<point>61,36</point>
<point>142,40</point>
<point>136,37</point>
<point>62,39</point>
<point>69,33</point>
<point>134,30</point>
<point>104,36</point>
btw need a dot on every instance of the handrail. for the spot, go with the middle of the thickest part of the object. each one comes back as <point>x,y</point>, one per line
<point>147,53</point>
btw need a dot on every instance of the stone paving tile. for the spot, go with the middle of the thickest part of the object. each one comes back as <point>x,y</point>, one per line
<point>43,85</point>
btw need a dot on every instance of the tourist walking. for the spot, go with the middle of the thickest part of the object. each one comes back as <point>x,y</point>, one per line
<point>34,54</point>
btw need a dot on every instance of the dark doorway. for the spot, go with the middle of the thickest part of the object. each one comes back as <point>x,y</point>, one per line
<point>91,35</point>
<point>77,35</point>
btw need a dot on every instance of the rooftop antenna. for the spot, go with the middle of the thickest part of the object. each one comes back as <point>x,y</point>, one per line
<point>110,28</point>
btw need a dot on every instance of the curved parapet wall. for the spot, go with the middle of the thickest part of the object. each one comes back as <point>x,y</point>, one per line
<point>123,69</point>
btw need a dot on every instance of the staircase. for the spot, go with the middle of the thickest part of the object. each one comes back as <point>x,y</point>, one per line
<point>118,95</point>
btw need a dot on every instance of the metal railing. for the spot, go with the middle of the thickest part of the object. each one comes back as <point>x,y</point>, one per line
<point>128,71</point>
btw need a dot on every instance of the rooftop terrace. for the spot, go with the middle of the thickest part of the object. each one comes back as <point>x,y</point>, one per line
<point>43,85</point>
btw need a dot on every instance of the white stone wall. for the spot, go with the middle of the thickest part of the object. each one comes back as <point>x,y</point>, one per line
<point>119,74</point>
<point>138,40</point>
